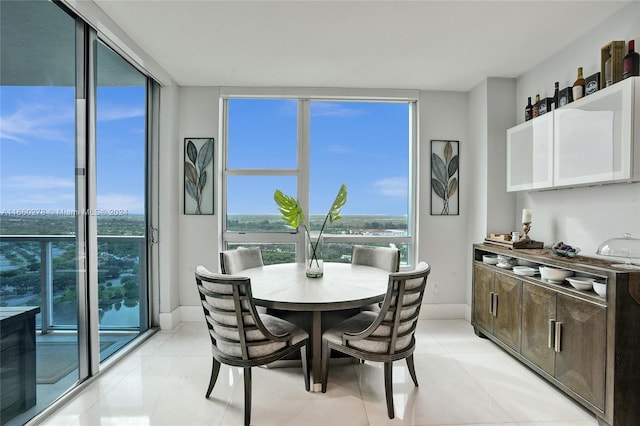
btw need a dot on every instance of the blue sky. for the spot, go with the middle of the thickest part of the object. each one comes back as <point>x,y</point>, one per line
<point>361,144</point>
<point>38,148</point>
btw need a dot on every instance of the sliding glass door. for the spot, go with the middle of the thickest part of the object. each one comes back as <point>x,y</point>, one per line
<point>73,190</point>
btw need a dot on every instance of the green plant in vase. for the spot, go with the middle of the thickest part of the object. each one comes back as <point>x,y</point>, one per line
<point>294,216</point>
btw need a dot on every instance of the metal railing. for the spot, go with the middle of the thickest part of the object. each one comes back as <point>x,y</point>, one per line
<point>47,243</point>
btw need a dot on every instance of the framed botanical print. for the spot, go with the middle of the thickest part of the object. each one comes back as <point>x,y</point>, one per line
<point>198,176</point>
<point>445,178</point>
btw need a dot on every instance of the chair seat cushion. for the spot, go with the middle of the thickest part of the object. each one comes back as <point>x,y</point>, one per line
<point>279,326</point>
<point>354,324</point>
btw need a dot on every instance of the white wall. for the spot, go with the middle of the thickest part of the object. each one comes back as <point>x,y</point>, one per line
<point>442,240</point>
<point>584,217</point>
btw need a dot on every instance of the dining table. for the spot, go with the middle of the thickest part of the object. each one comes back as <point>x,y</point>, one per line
<point>343,288</point>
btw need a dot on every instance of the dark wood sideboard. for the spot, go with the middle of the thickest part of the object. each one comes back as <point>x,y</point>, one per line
<point>586,345</point>
<point>17,360</point>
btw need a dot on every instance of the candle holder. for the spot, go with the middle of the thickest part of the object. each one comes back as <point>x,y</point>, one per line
<point>526,227</point>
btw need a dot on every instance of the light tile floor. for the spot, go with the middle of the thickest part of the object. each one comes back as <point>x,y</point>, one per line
<point>464,380</point>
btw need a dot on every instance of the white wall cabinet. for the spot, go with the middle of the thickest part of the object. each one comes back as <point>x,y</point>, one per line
<point>530,154</point>
<point>589,141</point>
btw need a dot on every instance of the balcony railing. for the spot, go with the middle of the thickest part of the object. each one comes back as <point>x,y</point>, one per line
<point>122,272</point>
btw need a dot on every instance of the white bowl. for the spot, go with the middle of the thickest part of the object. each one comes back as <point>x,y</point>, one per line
<point>554,275</point>
<point>581,283</point>
<point>524,270</point>
<point>600,288</point>
<point>489,259</point>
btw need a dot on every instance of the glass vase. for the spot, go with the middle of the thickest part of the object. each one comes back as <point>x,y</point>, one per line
<point>313,258</point>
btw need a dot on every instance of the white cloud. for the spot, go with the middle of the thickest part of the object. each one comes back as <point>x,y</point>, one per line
<point>130,203</point>
<point>333,109</point>
<point>50,122</point>
<point>339,149</point>
<point>392,187</point>
<point>37,182</point>
<point>113,112</point>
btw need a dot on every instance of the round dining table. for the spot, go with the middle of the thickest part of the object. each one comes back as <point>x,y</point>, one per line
<point>343,287</point>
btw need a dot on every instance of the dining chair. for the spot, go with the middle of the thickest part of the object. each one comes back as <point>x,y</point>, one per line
<point>234,261</point>
<point>242,337</point>
<point>385,336</point>
<point>387,258</point>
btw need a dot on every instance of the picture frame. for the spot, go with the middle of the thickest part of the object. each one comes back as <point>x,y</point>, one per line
<point>445,177</point>
<point>198,176</point>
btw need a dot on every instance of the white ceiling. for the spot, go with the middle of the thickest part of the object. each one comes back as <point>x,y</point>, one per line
<point>433,45</point>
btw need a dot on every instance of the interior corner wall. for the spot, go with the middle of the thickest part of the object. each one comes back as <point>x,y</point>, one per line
<point>583,216</point>
<point>442,239</point>
<point>197,234</point>
<point>167,280</point>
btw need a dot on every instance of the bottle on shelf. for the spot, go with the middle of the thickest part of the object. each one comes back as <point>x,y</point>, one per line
<point>556,95</point>
<point>607,69</point>
<point>528,110</point>
<point>630,62</point>
<point>578,86</point>
<point>534,110</point>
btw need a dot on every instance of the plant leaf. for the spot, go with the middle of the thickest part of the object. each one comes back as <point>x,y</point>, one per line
<point>191,189</point>
<point>453,187</point>
<point>205,155</point>
<point>448,152</point>
<point>190,173</point>
<point>192,151</point>
<point>289,209</point>
<point>438,188</point>
<point>341,199</point>
<point>453,166</point>
<point>439,169</point>
<point>202,181</point>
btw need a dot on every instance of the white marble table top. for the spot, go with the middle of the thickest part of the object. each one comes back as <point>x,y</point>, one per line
<point>343,286</point>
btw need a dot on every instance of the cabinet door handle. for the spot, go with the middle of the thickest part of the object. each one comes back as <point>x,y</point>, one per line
<point>558,338</point>
<point>491,303</point>
<point>551,338</point>
<point>495,304</point>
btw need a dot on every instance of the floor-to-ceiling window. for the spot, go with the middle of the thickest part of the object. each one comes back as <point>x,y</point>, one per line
<point>73,190</point>
<point>307,148</point>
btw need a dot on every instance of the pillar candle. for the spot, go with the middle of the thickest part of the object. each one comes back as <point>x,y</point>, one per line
<point>526,216</point>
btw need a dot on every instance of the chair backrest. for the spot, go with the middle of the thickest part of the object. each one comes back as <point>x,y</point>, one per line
<point>387,258</point>
<point>234,324</point>
<point>234,261</point>
<point>393,330</point>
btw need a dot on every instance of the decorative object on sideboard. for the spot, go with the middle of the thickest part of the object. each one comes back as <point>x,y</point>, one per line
<point>625,247</point>
<point>528,110</point>
<point>611,57</point>
<point>536,104</point>
<point>525,242</point>
<point>545,106</point>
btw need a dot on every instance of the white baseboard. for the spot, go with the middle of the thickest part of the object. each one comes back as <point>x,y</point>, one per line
<point>443,311</point>
<point>428,311</point>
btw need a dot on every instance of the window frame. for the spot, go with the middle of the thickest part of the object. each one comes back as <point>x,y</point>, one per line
<point>305,97</point>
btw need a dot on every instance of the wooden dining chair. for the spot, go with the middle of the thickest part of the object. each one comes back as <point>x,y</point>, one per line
<point>234,261</point>
<point>385,336</point>
<point>240,336</point>
<point>387,258</point>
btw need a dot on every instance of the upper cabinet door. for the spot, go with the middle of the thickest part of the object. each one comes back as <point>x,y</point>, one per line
<point>593,137</point>
<point>530,154</point>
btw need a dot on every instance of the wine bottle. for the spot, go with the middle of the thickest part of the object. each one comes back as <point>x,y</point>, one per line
<point>630,62</point>
<point>528,110</point>
<point>578,86</point>
<point>534,110</point>
<point>556,95</point>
